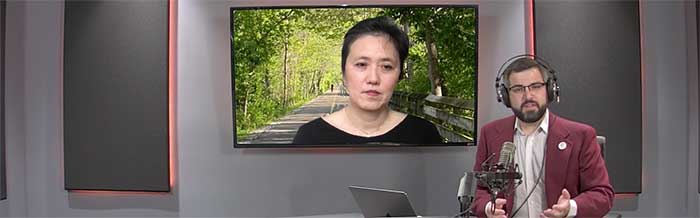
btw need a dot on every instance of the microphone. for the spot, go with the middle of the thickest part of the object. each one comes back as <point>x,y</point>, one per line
<point>499,177</point>
<point>462,183</point>
<point>506,159</point>
<point>465,194</point>
<point>503,170</point>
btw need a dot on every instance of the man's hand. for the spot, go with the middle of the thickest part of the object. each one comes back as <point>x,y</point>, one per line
<point>499,212</point>
<point>561,209</point>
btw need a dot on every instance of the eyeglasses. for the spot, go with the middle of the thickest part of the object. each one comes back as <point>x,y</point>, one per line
<point>520,89</point>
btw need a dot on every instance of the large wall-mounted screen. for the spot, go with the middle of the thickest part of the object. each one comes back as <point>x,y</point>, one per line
<point>286,72</point>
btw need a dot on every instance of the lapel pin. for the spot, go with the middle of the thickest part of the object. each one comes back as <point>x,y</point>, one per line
<point>561,146</point>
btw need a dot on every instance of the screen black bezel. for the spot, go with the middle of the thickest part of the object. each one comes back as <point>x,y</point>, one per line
<point>290,145</point>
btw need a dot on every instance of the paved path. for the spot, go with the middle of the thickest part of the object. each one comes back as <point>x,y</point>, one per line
<point>283,130</point>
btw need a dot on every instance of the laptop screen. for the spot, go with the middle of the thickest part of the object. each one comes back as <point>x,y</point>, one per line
<point>374,202</point>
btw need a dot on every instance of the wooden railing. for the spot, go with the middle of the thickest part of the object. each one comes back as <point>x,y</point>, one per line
<point>453,117</point>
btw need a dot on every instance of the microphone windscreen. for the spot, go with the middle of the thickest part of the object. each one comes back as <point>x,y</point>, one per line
<point>507,153</point>
<point>462,186</point>
<point>466,185</point>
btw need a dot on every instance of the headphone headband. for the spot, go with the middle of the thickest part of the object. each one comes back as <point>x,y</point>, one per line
<point>541,61</point>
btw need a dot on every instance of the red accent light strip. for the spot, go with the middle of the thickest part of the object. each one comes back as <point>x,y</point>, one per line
<point>644,93</point>
<point>530,27</point>
<point>626,196</point>
<point>172,66</point>
<point>116,193</point>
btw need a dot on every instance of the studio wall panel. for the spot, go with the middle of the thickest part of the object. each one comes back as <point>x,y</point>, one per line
<point>116,95</point>
<point>595,46</point>
<point>3,150</point>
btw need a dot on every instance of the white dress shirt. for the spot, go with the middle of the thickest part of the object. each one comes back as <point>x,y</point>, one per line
<point>529,155</point>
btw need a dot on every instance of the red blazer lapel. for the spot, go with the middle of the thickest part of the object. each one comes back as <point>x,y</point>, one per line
<point>557,160</point>
<point>505,133</point>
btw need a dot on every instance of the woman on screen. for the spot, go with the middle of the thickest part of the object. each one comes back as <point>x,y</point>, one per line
<point>373,55</point>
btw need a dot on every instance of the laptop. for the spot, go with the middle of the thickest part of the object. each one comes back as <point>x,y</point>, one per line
<point>374,202</point>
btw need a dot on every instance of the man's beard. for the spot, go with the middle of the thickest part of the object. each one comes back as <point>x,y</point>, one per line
<point>530,117</point>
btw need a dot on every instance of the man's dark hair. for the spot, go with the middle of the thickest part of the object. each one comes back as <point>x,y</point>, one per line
<point>520,65</point>
<point>378,26</point>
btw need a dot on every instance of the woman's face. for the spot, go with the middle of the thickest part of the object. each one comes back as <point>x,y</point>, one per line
<point>371,72</point>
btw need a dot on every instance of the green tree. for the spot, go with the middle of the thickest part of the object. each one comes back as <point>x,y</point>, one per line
<point>443,48</point>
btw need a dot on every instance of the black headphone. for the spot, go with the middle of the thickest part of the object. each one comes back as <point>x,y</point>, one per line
<point>553,90</point>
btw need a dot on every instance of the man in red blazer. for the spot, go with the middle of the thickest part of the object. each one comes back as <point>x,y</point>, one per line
<point>564,174</point>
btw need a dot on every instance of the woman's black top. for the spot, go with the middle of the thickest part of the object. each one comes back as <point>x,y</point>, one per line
<point>412,130</point>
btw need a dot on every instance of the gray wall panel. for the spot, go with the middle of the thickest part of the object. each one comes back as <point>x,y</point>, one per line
<point>595,46</point>
<point>116,95</point>
<point>14,88</point>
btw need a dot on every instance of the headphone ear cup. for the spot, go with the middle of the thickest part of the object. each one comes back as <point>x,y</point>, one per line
<point>552,87</point>
<point>555,91</point>
<point>550,90</point>
<point>503,95</point>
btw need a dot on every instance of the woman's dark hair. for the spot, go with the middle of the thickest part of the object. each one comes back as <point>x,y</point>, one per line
<point>378,26</point>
